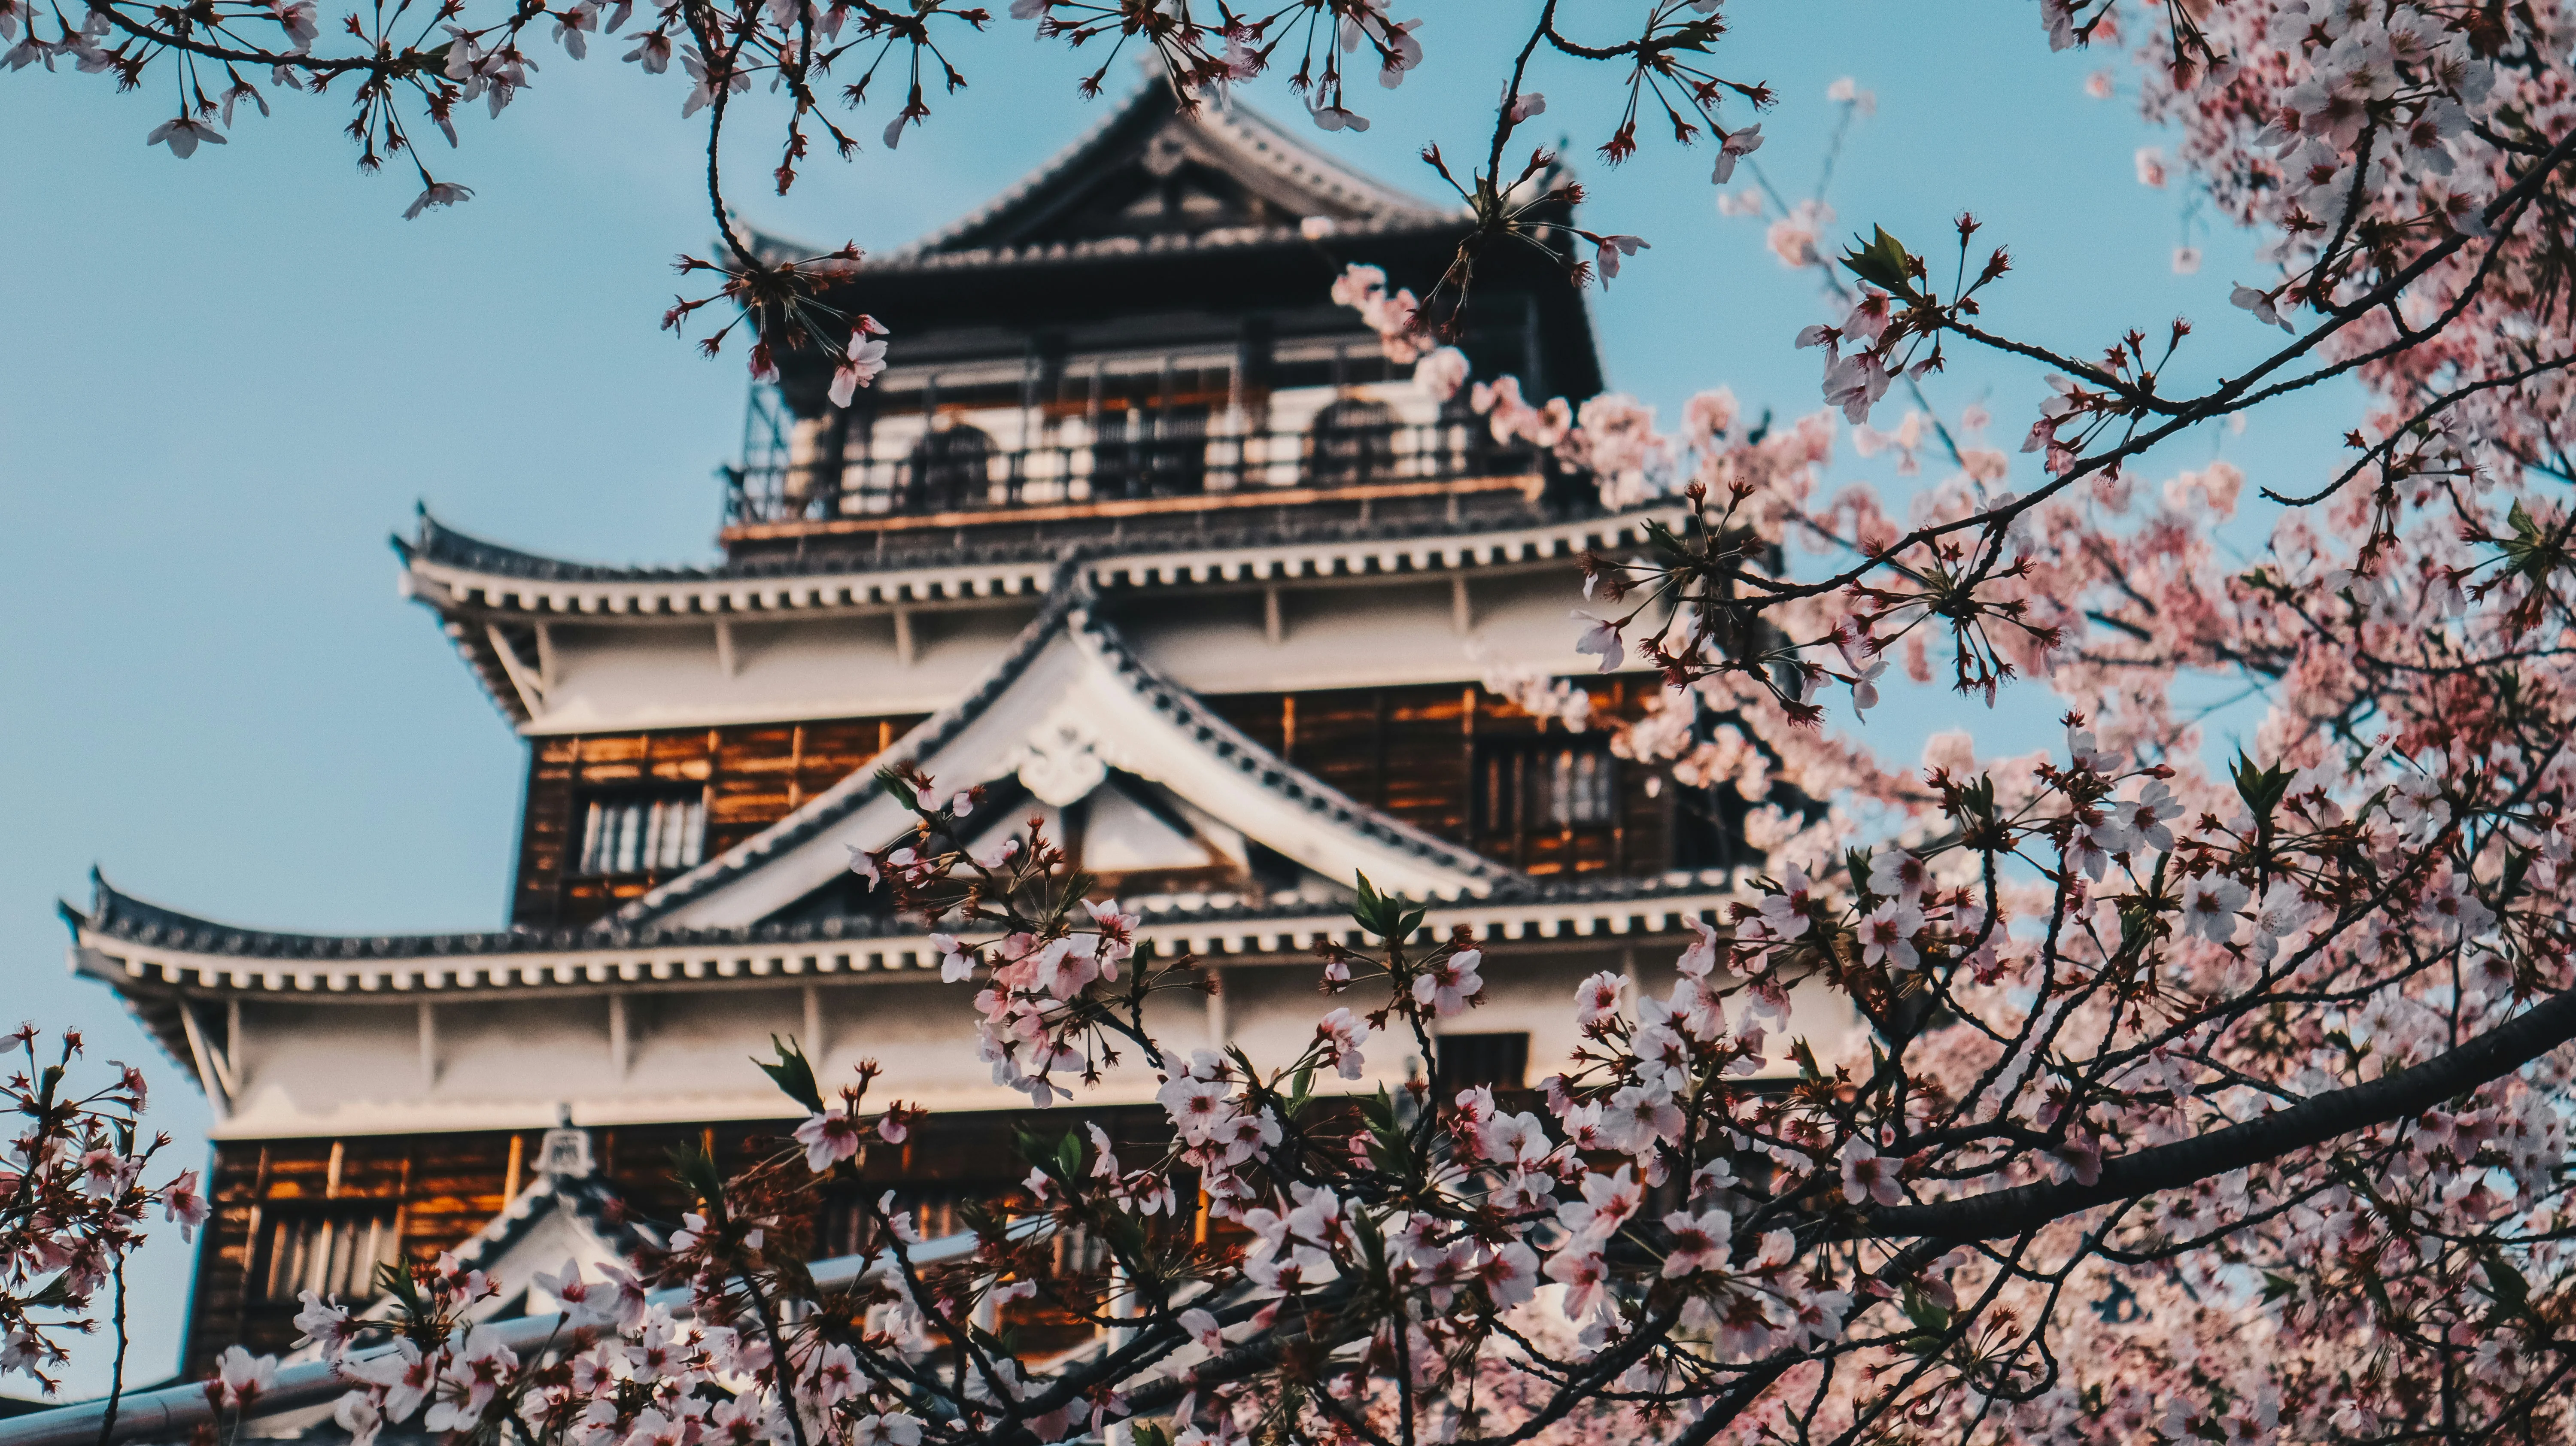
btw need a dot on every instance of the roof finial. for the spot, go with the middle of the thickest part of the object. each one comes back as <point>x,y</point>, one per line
<point>564,1154</point>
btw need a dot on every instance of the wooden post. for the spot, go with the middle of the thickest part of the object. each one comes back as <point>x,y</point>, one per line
<point>1468,798</point>
<point>1377,744</point>
<point>795,766</point>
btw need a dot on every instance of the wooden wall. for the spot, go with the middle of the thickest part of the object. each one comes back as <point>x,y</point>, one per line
<point>751,777</point>
<point>442,1188</point>
<point>1413,751</point>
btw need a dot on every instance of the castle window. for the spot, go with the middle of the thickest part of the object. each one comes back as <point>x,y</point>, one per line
<point>1351,442</point>
<point>330,1250</point>
<point>952,470</point>
<point>1543,785</point>
<point>638,833</point>
<point>1150,451</point>
<point>1494,1061</point>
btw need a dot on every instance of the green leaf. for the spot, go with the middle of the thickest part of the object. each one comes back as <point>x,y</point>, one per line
<point>1883,262</point>
<point>1808,1069</point>
<point>1301,1088</point>
<point>2261,788</point>
<point>899,790</point>
<point>1384,915</point>
<point>1673,549</point>
<point>696,1171</point>
<point>793,1074</point>
<point>2512,1293</point>
<point>2523,526</point>
<point>393,1278</point>
<point>1693,35</point>
<point>1929,1316</point>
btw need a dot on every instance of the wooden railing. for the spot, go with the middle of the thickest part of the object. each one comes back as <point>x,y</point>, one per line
<point>956,476</point>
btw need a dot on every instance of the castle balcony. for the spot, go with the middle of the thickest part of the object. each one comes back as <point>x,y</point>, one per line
<point>1124,472</point>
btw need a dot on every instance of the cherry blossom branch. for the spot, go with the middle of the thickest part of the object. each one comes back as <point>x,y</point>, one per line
<point>2321,1118</point>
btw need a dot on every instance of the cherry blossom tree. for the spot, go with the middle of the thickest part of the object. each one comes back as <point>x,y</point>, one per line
<point>2206,1100</point>
<point>73,1202</point>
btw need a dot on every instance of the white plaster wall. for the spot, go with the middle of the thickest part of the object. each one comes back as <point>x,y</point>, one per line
<point>701,1041</point>
<point>660,673</point>
<point>507,1053</point>
<point>297,1059</point>
<point>666,674</point>
<point>353,1067</point>
<point>1359,635</point>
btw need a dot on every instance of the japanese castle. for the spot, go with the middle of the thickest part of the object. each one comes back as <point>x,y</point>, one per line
<point>1141,533</point>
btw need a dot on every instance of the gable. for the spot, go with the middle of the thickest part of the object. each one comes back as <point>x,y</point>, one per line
<point>1069,711</point>
<point>1154,168</point>
<point>1171,188</point>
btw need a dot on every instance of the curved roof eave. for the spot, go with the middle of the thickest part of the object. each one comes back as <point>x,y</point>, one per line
<point>1428,542</point>
<point>156,940</point>
<point>473,583</point>
<point>1238,133</point>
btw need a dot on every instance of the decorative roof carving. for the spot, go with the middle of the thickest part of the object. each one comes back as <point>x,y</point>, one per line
<point>1154,174</point>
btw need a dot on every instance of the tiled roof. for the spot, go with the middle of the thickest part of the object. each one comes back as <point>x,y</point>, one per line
<point>114,915</point>
<point>591,1199</point>
<point>1233,130</point>
<point>437,543</point>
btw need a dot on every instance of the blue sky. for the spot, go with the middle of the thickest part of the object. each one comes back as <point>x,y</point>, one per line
<point>227,379</point>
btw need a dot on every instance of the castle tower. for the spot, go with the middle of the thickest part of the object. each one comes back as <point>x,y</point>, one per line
<point>1142,534</point>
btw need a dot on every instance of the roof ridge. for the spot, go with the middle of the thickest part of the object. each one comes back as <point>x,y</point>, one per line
<point>120,914</point>
<point>1046,170</point>
<point>1263,131</point>
<point>591,1199</point>
<point>1242,130</point>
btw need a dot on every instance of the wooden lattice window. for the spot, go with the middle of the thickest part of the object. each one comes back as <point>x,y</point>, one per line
<point>1495,1061</point>
<point>1351,442</point>
<point>331,1250</point>
<point>952,468</point>
<point>642,833</point>
<point>1541,785</point>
